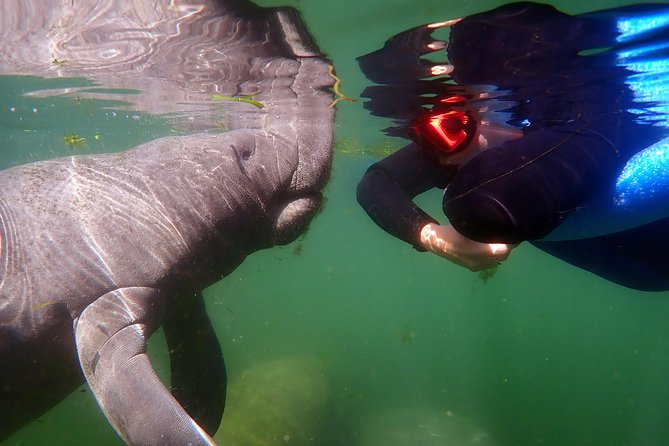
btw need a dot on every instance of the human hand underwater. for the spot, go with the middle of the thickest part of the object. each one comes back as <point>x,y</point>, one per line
<point>448,243</point>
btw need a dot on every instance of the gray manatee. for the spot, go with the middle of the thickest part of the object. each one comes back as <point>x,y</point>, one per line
<point>98,251</point>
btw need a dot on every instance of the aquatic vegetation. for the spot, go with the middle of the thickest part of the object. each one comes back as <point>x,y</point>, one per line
<point>247,99</point>
<point>407,334</point>
<point>221,126</point>
<point>487,274</point>
<point>340,96</point>
<point>353,147</point>
<point>74,141</point>
<point>44,305</point>
<point>298,249</point>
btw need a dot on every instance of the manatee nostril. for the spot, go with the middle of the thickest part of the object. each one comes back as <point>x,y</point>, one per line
<point>243,152</point>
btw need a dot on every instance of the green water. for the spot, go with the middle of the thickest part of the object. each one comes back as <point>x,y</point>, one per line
<point>539,354</point>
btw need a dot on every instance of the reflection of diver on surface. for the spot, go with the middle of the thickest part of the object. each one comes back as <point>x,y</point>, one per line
<point>542,126</point>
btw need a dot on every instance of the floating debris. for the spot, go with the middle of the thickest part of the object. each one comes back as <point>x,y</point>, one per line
<point>74,141</point>
<point>247,99</point>
<point>340,96</point>
<point>43,305</point>
<point>407,334</point>
<point>487,274</point>
<point>352,147</point>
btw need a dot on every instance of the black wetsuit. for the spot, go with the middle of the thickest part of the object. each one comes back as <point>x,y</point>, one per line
<point>570,83</point>
<point>389,186</point>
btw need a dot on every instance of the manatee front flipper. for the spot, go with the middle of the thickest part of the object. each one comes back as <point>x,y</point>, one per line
<point>196,362</point>
<point>111,336</point>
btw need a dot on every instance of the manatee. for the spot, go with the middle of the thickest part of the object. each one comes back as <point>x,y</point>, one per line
<point>98,251</point>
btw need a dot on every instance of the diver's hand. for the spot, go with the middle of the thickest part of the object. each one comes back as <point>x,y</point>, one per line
<point>446,242</point>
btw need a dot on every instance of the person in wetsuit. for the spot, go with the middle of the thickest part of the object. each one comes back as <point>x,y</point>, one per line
<point>542,127</point>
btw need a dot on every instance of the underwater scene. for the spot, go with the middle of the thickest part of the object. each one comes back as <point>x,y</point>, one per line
<point>347,336</point>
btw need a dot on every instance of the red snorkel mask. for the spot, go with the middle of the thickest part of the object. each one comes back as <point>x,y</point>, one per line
<point>444,130</point>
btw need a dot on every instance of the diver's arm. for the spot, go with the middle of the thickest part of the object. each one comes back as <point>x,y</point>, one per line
<point>388,187</point>
<point>386,192</point>
<point>448,243</point>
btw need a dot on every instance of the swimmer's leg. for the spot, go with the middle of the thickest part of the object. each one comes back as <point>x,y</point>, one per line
<point>637,258</point>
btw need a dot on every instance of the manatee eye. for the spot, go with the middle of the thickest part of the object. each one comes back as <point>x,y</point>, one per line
<point>446,132</point>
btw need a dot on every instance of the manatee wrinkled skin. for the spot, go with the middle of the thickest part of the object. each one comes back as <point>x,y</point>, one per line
<point>96,251</point>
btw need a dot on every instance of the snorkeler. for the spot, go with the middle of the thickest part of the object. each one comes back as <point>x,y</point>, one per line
<point>540,127</point>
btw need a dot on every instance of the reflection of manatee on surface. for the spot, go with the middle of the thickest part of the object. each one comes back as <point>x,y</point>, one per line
<point>422,427</point>
<point>176,57</point>
<point>282,402</point>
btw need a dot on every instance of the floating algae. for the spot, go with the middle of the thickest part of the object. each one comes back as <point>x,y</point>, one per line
<point>247,99</point>
<point>407,334</point>
<point>348,146</point>
<point>72,141</point>
<point>487,274</point>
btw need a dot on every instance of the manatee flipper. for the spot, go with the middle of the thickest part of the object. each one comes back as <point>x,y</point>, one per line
<point>111,336</point>
<point>196,362</point>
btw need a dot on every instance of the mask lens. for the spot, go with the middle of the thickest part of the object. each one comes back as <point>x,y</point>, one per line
<point>446,132</point>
